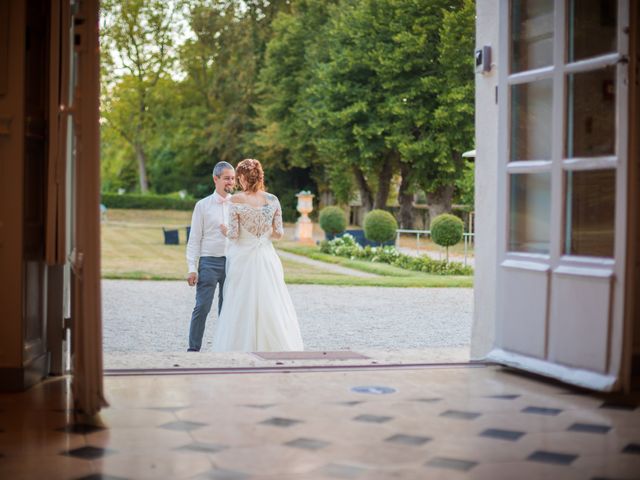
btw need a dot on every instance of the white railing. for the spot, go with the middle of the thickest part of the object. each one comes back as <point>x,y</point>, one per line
<point>468,239</point>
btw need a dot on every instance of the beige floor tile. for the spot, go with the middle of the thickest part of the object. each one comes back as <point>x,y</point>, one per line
<point>159,465</point>
<point>268,460</point>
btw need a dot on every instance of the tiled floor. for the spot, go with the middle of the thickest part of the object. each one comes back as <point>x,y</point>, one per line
<point>431,423</point>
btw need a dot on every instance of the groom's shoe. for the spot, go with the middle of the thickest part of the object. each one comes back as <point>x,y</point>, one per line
<point>192,350</point>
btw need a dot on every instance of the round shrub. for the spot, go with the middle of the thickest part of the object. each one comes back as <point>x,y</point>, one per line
<point>446,230</point>
<point>332,220</point>
<point>380,226</point>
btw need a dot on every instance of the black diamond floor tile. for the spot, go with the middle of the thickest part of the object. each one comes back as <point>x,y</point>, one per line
<point>542,410</point>
<point>511,435</point>
<point>428,399</point>
<point>88,452</point>
<point>451,463</point>
<point>167,409</point>
<point>589,428</point>
<point>552,457</point>
<point>352,403</point>
<point>203,447</point>
<point>307,443</point>
<point>632,448</point>
<point>280,422</point>
<point>261,406</point>
<point>372,418</point>
<point>336,470</point>
<point>459,414</point>
<point>504,397</point>
<point>403,439</point>
<point>183,426</point>
<point>613,405</point>
<point>80,428</point>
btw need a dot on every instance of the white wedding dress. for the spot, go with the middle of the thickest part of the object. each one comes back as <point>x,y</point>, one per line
<point>257,314</point>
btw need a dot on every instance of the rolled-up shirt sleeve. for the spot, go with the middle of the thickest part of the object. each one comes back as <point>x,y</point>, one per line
<point>194,245</point>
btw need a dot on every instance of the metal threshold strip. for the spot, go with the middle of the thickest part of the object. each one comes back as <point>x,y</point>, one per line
<point>288,369</point>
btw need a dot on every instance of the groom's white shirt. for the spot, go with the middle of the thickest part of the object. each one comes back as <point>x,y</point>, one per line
<point>206,238</point>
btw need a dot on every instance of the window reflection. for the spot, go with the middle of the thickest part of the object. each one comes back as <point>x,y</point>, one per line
<point>531,34</point>
<point>531,121</point>
<point>529,212</point>
<point>591,199</point>
<point>591,103</point>
<point>592,28</point>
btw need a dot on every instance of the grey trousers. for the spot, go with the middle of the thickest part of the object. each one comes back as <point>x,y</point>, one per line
<point>211,273</point>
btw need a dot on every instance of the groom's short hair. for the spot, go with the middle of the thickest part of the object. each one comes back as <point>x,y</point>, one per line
<point>220,167</point>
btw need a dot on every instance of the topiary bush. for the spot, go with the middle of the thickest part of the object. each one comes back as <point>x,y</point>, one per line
<point>332,220</point>
<point>379,226</point>
<point>447,230</point>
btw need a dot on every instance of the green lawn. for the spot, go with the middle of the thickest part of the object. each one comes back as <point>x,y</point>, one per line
<point>133,248</point>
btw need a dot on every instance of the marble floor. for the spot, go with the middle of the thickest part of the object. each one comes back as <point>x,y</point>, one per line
<point>446,422</point>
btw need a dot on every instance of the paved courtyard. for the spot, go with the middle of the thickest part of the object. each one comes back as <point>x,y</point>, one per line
<point>153,316</point>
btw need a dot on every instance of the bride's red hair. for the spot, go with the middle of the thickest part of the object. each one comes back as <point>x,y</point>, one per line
<point>251,172</point>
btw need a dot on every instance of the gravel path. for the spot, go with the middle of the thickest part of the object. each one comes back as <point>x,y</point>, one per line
<point>153,316</point>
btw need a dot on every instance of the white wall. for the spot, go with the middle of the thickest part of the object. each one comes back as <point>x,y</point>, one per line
<point>484,317</point>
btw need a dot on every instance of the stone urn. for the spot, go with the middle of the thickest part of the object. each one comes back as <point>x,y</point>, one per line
<point>304,226</point>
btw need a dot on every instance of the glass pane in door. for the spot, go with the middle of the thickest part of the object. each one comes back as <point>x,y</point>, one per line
<point>591,108</point>
<point>531,121</point>
<point>531,34</point>
<point>592,28</point>
<point>591,199</point>
<point>529,210</point>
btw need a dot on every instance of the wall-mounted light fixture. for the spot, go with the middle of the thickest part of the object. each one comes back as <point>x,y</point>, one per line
<point>483,59</point>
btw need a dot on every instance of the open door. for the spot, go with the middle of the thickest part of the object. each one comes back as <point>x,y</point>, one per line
<point>83,160</point>
<point>562,189</point>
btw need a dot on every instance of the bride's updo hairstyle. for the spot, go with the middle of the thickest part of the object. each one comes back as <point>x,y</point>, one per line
<point>251,172</point>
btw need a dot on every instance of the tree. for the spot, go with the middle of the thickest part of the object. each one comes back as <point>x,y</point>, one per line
<point>138,39</point>
<point>453,120</point>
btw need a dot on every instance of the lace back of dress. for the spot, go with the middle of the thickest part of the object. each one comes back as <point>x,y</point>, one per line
<point>256,220</point>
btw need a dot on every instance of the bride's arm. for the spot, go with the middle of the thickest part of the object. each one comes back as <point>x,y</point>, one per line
<point>277,230</point>
<point>232,231</point>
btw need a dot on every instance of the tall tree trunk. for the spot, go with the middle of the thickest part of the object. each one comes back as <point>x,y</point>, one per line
<point>366,197</point>
<point>142,168</point>
<point>440,201</point>
<point>405,197</point>
<point>384,182</point>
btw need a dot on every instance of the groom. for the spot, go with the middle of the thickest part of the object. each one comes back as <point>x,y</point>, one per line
<point>206,250</point>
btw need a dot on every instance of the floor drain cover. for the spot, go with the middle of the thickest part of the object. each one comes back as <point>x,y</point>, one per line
<point>340,355</point>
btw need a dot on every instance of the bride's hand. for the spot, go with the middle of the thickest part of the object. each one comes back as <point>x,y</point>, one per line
<point>224,229</point>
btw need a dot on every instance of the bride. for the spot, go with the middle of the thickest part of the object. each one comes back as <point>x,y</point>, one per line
<point>257,314</point>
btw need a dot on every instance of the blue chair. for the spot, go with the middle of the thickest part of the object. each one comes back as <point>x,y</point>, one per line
<point>170,236</point>
<point>188,233</point>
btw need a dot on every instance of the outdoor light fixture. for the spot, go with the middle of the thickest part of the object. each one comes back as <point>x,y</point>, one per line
<point>483,59</point>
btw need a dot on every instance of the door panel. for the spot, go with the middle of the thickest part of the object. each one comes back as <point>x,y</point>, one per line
<point>580,319</point>
<point>527,288</point>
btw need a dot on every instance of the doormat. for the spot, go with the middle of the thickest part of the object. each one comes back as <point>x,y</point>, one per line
<point>339,355</point>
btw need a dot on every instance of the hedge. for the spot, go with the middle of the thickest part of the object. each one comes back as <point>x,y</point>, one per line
<point>146,202</point>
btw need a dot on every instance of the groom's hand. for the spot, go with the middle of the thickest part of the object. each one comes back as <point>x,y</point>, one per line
<point>192,279</point>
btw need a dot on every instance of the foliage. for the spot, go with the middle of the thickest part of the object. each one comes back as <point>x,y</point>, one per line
<point>346,246</point>
<point>349,94</point>
<point>333,220</point>
<point>379,226</point>
<point>446,230</point>
<point>147,202</point>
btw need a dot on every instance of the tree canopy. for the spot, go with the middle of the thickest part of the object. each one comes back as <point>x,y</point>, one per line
<point>351,97</point>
